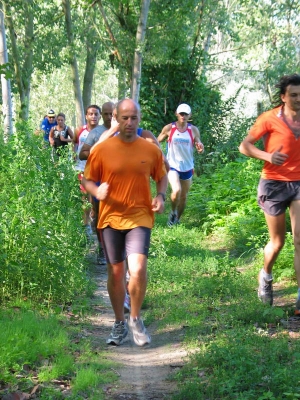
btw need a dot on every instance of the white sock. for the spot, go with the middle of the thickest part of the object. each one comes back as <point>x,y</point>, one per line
<point>267,276</point>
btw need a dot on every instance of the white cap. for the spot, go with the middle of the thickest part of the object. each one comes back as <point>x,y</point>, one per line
<point>183,108</point>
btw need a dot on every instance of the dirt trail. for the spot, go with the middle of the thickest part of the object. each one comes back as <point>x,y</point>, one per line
<point>143,371</point>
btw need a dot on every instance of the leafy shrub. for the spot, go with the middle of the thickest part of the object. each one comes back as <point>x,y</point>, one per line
<point>41,233</point>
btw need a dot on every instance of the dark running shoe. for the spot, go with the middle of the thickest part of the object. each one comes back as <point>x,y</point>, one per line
<point>173,219</point>
<point>118,333</point>
<point>297,311</point>
<point>101,260</point>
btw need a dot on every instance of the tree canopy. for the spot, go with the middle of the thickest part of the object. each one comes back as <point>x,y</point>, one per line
<point>185,47</point>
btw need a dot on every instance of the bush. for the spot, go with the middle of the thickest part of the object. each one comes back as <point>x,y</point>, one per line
<point>41,233</point>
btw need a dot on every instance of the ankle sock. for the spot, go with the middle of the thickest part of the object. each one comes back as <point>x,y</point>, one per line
<point>267,276</point>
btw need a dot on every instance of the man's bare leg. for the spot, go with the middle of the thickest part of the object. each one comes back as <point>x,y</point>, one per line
<point>185,187</point>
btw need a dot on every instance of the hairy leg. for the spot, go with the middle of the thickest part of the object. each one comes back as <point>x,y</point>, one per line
<point>137,265</point>
<point>116,288</point>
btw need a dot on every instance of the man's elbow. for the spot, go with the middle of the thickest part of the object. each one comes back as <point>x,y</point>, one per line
<point>242,148</point>
<point>83,155</point>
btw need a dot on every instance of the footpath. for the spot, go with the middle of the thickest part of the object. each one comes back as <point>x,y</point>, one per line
<point>143,372</point>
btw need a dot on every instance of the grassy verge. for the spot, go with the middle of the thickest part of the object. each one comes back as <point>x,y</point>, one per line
<point>50,354</point>
<point>203,282</point>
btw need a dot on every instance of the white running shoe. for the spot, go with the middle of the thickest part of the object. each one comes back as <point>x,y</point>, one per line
<point>139,332</point>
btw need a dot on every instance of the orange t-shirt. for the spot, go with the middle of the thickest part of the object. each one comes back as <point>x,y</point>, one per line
<point>276,133</point>
<point>127,168</point>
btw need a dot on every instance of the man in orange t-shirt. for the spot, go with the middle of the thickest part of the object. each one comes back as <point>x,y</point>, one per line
<point>124,165</point>
<point>279,185</point>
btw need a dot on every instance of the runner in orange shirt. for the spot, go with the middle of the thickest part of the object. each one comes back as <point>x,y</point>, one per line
<point>279,185</point>
<point>124,165</point>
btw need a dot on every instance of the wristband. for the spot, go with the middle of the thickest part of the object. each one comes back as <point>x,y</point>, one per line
<point>162,195</point>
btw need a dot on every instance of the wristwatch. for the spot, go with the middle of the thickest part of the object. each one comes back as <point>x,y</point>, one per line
<point>162,195</point>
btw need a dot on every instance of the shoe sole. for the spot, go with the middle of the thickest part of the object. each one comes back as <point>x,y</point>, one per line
<point>115,342</point>
<point>141,344</point>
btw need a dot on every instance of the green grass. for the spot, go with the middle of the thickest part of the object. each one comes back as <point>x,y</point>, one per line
<point>202,281</point>
<point>45,349</point>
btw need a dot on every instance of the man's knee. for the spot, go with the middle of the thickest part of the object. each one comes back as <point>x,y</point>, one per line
<point>176,193</point>
<point>296,238</point>
<point>116,272</point>
<point>277,244</point>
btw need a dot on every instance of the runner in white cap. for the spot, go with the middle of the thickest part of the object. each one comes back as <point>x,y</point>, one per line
<point>182,136</point>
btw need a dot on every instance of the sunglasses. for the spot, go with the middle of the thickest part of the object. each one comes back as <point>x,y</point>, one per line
<point>183,114</point>
<point>51,117</point>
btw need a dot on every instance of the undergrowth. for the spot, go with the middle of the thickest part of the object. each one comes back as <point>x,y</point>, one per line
<point>202,283</point>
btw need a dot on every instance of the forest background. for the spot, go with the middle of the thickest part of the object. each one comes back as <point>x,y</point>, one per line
<point>221,57</point>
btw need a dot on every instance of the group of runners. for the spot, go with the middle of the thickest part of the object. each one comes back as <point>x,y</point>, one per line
<point>116,173</point>
<point>116,160</point>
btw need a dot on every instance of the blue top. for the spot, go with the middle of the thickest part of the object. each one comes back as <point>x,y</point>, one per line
<point>46,127</point>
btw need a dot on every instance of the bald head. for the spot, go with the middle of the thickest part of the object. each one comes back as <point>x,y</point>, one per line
<point>107,111</point>
<point>128,117</point>
<point>125,103</point>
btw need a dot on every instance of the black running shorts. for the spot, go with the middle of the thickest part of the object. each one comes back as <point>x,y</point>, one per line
<point>119,244</point>
<point>274,197</point>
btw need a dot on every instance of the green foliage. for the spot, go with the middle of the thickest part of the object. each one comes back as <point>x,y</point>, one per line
<point>167,85</point>
<point>26,338</point>
<point>241,364</point>
<point>41,234</point>
<point>35,347</point>
<point>208,294</point>
<point>203,279</point>
<point>5,69</point>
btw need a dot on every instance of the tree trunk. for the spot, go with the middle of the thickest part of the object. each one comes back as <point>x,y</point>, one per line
<point>122,86</point>
<point>137,59</point>
<point>22,74</point>
<point>122,71</point>
<point>73,64</point>
<point>5,83</point>
<point>90,64</point>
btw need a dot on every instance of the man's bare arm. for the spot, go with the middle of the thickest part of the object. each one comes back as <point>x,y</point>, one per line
<point>165,133</point>
<point>198,144</point>
<point>248,149</point>
<point>158,203</point>
<point>85,152</point>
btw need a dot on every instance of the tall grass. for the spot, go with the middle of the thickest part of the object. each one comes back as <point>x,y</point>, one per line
<point>202,285</point>
<point>41,234</point>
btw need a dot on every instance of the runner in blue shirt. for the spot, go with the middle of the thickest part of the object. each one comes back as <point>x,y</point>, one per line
<point>48,122</point>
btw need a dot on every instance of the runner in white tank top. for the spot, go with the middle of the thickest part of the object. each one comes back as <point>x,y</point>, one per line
<point>181,136</point>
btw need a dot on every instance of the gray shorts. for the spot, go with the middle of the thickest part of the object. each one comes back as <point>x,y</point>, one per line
<point>274,197</point>
<point>119,244</point>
